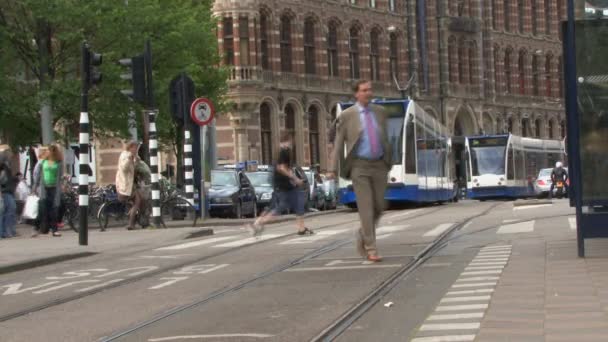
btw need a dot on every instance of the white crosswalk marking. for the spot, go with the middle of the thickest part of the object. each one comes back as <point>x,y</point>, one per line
<point>302,240</point>
<point>196,243</point>
<point>438,230</point>
<point>247,241</point>
<point>459,286</point>
<point>477,279</point>
<point>392,229</point>
<point>407,213</point>
<point>450,326</point>
<point>523,227</point>
<point>481,272</point>
<point>462,307</point>
<point>524,207</point>
<point>464,299</point>
<point>447,338</point>
<point>455,316</point>
<point>467,292</point>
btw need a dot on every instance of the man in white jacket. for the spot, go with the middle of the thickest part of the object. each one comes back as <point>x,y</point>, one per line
<point>125,181</point>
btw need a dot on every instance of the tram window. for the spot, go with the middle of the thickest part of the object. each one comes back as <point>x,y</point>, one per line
<point>395,137</point>
<point>487,156</point>
<point>410,147</point>
<point>510,173</point>
<point>519,165</point>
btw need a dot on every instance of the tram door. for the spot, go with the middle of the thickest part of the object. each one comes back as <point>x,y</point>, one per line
<point>459,163</point>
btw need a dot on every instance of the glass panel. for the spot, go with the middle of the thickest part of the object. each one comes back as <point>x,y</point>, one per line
<point>260,178</point>
<point>592,76</point>
<point>220,178</point>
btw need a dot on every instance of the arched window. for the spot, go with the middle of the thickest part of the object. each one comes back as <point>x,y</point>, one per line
<point>353,53</point>
<point>548,79</point>
<point>551,129</point>
<point>332,50</point>
<point>538,127</point>
<point>534,10</point>
<point>521,65</point>
<point>521,13</point>
<point>266,133</point>
<point>472,64</point>
<point>309,47</point>
<point>391,5</point>
<point>453,59</point>
<point>290,128</point>
<point>462,78</point>
<point>510,125</point>
<point>264,45</point>
<point>228,40</point>
<point>507,66</point>
<point>497,79</point>
<point>548,18</point>
<point>563,128</point>
<point>286,47</point>
<point>535,76</point>
<point>244,40</point>
<point>525,128</point>
<point>313,131</point>
<point>507,15</point>
<point>394,55</point>
<point>374,57</point>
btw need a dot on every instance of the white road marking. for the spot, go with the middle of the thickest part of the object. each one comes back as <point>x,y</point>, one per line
<point>524,207</point>
<point>481,268</point>
<point>572,222</point>
<point>462,307</point>
<point>496,247</point>
<point>459,286</point>
<point>465,299</point>
<point>477,279</point>
<point>455,316</point>
<point>310,239</point>
<point>488,259</point>
<point>196,243</point>
<point>392,229</point>
<point>450,326</point>
<point>447,338</point>
<point>335,268</point>
<point>199,269</point>
<point>159,256</point>
<point>523,227</point>
<point>66,285</point>
<point>109,282</point>
<point>247,241</point>
<point>481,272</point>
<point>439,229</point>
<point>494,253</point>
<point>509,221</point>
<point>467,292</point>
<point>15,288</point>
<point>383,236</point>
<point>196,337</point>
<point>170,281</point>
<point>407,213</point>
<point>487,263</point>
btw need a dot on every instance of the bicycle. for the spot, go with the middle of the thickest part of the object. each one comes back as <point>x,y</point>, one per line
<point>174,206</point>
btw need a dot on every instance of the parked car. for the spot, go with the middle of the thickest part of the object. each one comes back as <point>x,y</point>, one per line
<point>315,185</point>
<point>262,182</point>
<point>542,184</point>
<point>330,190</point>
<point>231,194</point>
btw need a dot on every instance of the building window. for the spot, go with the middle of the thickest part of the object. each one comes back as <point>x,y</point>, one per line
<point>494,15</point>
<point>453,60</point>
<point>563,128</point>
<point>522,72</point>
<point>560,75</point>
<point>309,47</point>
<point>507,66</point>
<point>548,17</point>
<point>391,5</point>
<point>313,131</point>
<point>264,51</point>
<point>372,3</point>
<point>286,60</point>
<point>521,12</point>
<point>244,40</point>
<point>353,2</point>
<point>332,50</point>
<point>534,10</point>
<point>525,128</point>
<point>510,125</point>
<point>228,41</point>
<point>551,135</point>
<point>290,128</point>
<point>496,70</point>
<point>535,76</point>
<point>461,52</point>
<point>353,53</point>
<point>374,57</point>
<point>394,56</point>
<point>266,133</point>
<point>472,65</point>
<point>538,127</point>
<point>548,80</point>
<point>507,15</point>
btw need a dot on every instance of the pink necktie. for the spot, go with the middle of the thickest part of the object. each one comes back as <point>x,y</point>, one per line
<point>371,133</point>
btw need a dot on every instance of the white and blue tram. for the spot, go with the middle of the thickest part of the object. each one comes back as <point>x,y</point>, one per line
<point>421,151</point>
<point>505,166</point>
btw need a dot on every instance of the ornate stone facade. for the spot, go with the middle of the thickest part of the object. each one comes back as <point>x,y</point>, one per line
<point>477,65</point>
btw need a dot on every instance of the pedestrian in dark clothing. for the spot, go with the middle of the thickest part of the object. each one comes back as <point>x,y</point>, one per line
<point>8,215</point>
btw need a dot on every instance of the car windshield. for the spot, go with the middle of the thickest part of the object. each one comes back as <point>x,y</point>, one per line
<point>545,173</point>
<point>223,178</point>
<point>260,178</point>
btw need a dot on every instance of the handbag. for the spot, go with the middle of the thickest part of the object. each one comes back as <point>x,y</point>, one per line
<point>30,210</point>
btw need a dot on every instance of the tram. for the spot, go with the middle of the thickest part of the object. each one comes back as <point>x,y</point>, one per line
<point>421,152</point>
<point>505,166</point>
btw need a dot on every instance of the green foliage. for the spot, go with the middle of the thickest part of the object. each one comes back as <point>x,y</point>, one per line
<point>182,35</point>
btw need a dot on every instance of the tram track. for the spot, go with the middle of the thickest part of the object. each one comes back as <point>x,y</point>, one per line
<point>74,297</point>
<point>350,316</point>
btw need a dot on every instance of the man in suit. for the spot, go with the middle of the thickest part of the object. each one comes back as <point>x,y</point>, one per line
<point>362,128</point>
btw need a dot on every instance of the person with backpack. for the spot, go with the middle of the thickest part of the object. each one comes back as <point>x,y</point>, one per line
<point>46,184</point>
<point>8,217</point>
<point>288,196</point>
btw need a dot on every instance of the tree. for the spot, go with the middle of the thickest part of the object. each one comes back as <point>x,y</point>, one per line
<point>42,43</point>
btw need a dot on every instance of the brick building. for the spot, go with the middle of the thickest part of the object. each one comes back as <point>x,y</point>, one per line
<point>478,65</point>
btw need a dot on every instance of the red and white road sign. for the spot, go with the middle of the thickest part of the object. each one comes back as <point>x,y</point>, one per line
<point>202,111</point>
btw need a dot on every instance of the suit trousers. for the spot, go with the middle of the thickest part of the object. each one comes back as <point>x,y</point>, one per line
<point>369,182</point>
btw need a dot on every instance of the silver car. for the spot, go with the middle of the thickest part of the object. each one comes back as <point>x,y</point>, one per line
<point>542,184</point>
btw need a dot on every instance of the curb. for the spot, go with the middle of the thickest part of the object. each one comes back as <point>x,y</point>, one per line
<point>20,266</point>
<point>531,202</point>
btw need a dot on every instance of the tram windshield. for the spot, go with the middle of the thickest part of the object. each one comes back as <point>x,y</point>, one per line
<point>488,155</point>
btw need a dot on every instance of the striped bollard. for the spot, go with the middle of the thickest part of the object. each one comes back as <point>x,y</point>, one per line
<point>83,179</point>
<point>153,147</point>
<point>188,169</point>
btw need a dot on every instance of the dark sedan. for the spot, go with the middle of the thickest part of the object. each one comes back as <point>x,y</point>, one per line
<point>231,194</point>
<point>262,182</point>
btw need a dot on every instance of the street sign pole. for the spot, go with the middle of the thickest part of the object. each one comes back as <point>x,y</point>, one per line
<point>202,113</point>
<point>83,139</point>
<point>203,161</point>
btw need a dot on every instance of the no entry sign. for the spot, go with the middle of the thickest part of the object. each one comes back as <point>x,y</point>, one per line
<point>202,111</point>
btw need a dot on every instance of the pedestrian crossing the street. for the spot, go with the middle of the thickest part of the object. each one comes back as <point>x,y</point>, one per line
<point>459,313</point>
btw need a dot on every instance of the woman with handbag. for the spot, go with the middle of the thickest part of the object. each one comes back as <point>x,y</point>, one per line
<point>46,184</point>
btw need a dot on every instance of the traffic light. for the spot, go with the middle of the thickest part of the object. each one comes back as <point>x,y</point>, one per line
<point>92,61</point>
<point>136,75</point>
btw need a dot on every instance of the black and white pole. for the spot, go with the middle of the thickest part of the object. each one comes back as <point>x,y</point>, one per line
<point>153,148</point>
<point>188,169</point>
<point>83,140</point>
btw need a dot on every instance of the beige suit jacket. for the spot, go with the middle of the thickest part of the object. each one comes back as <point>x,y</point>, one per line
<point>348,132</point>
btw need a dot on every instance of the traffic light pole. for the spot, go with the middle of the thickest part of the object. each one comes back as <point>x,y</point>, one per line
<point>153,138</point>
<point>84,140</point>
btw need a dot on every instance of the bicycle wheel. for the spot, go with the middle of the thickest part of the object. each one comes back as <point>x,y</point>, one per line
<point>113,213</point>
<point>176,210</point>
